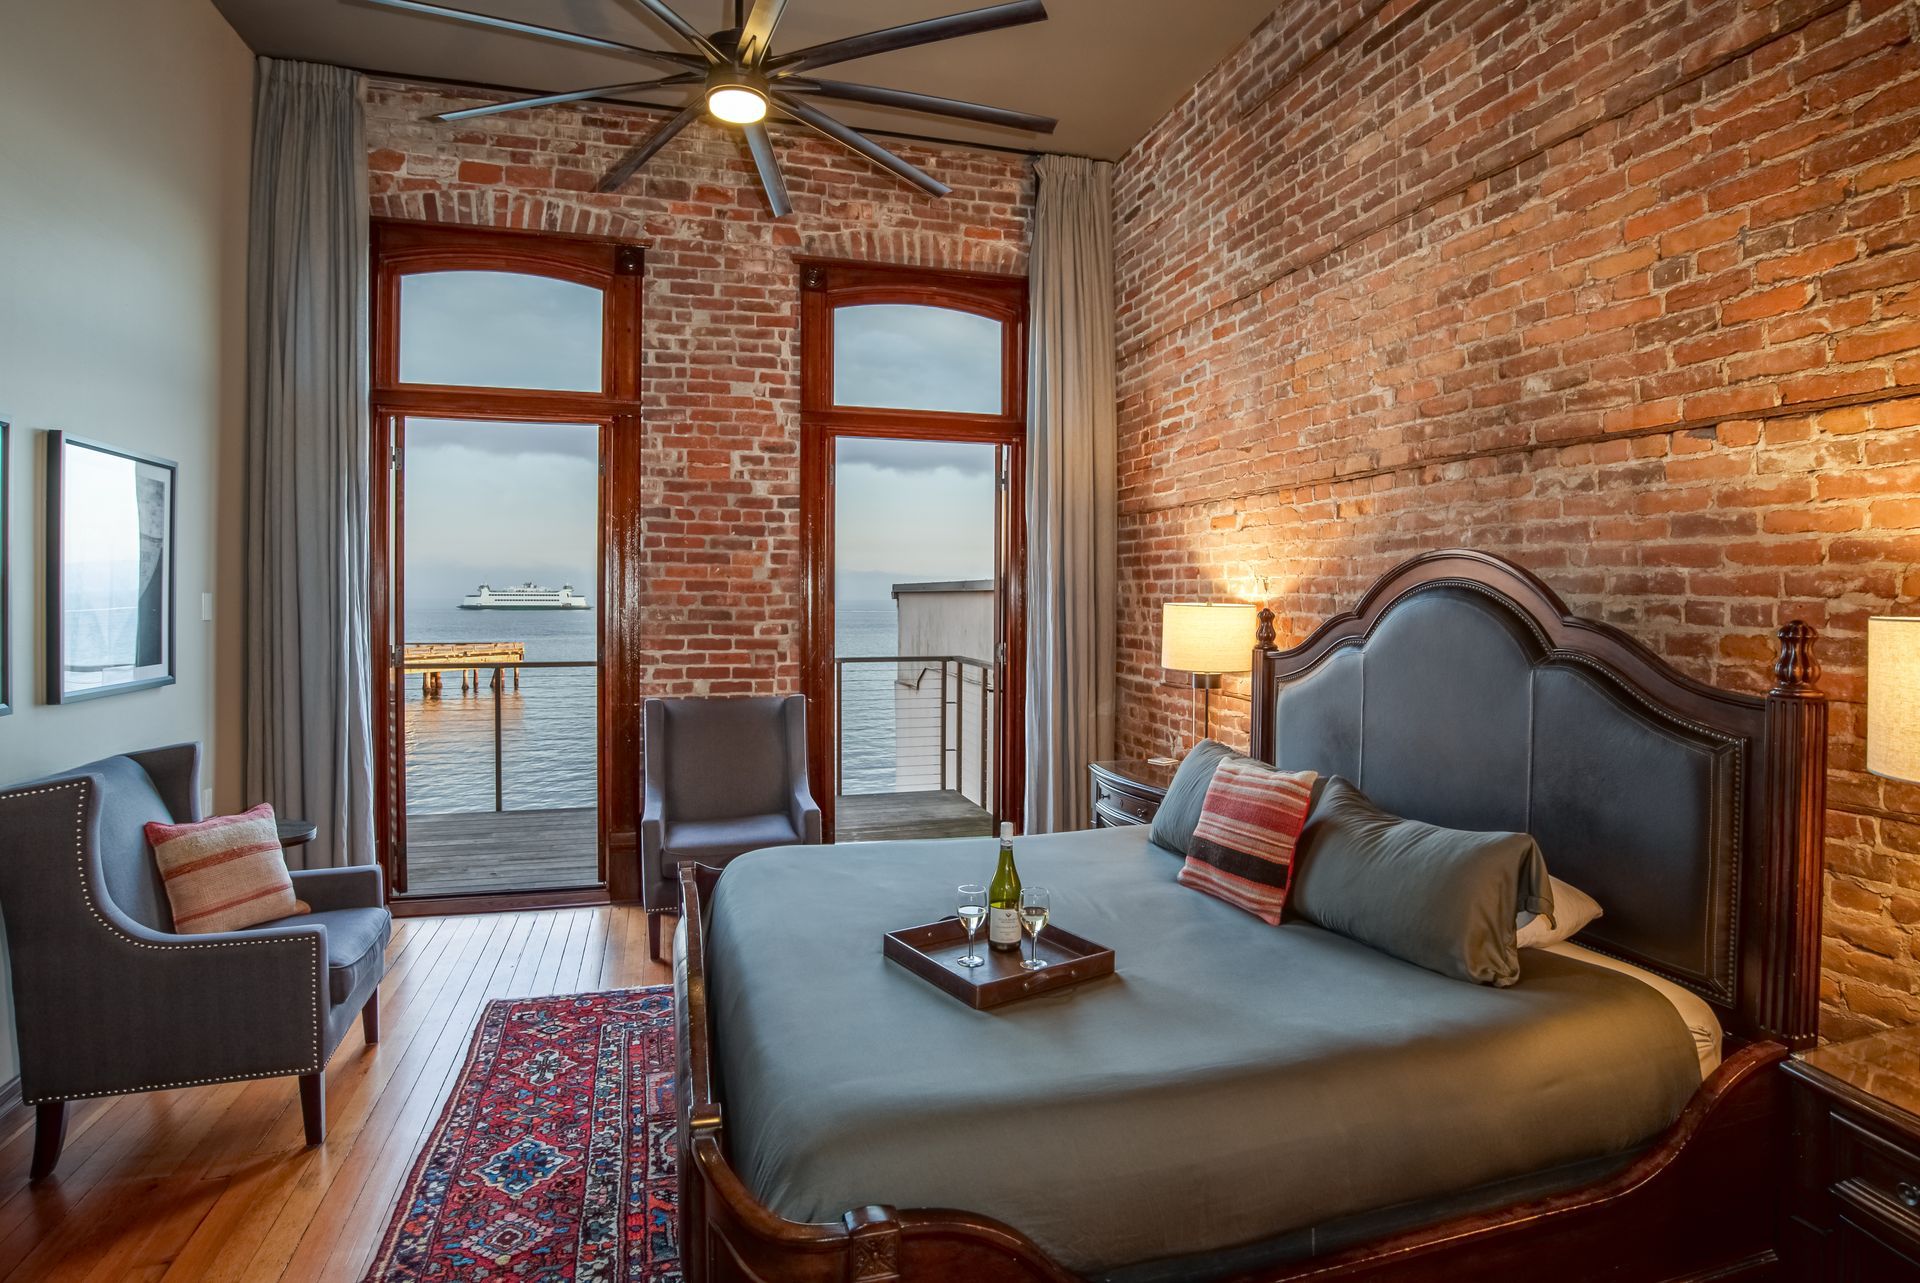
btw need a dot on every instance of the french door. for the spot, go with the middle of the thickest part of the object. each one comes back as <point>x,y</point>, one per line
<point>507,439</point>
<point>913,395</point>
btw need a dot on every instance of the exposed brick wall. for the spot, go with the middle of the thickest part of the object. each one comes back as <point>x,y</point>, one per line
<point>1626,290</point>
<point>721,326</point>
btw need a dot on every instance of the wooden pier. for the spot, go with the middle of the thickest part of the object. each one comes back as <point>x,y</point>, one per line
<point>432,660</point>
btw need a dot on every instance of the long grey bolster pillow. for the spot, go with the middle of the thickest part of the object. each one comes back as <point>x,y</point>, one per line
<point>1443,899</point>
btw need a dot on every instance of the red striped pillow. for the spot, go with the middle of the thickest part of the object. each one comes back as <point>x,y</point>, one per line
<point>225,873</point>
<point>1242,849</point>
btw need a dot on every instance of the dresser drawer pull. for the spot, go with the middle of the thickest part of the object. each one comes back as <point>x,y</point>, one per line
<point>1908,1193</point>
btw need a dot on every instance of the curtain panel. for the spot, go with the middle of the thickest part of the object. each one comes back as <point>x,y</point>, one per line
<point>1071,609</point>
<point>308,691</point>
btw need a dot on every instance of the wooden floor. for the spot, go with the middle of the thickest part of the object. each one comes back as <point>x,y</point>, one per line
<point>502,851</point>
<point>214,1184</point>
<point>875,817</point>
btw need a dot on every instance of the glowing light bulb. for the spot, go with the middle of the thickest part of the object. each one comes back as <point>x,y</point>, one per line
<point>737,104</point>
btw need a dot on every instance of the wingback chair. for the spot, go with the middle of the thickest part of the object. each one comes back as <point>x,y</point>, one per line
<point>723,777</point>
<point>109,1000</point>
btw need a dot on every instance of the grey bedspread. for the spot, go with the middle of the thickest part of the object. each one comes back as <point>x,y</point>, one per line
<point>1233,1082</point>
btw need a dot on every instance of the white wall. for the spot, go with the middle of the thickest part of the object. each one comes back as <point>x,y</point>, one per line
<point>124,136</point>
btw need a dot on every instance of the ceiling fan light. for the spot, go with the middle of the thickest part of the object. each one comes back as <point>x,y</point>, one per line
<point>737,104</point>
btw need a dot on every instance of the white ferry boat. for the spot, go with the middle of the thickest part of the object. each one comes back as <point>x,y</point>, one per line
<point>526,597</point>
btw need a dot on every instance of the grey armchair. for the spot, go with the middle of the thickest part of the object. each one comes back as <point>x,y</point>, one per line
<point>108,1000</point>
<point>722,777</point>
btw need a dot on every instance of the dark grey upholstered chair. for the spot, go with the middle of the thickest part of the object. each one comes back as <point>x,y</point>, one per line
<point>723,777</point>
<point>108,1000</point>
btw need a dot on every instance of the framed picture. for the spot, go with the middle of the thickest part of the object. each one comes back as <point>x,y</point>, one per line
<point>110,618</point>
<point>6,583</point>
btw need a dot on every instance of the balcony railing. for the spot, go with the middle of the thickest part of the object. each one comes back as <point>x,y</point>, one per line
<point>433,682</point>
<point>916,724</point>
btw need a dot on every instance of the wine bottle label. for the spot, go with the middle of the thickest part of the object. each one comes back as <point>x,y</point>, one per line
<point>1003,926</point>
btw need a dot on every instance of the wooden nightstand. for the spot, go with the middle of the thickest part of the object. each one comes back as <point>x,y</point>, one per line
<point>1128,792</point>
<point>1853,1209</point>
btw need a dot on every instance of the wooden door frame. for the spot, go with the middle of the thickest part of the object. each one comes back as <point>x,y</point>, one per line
<point>401,248</point>
<point>826,284</point>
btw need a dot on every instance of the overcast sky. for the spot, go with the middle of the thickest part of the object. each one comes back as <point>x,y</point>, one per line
<point>508,503</point>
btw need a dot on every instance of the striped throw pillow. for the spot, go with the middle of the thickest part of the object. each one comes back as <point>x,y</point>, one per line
<point>1242,849</point>
<point>225,873</point>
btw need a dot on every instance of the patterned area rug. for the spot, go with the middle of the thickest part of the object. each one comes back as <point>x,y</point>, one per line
<point>553,1161</point>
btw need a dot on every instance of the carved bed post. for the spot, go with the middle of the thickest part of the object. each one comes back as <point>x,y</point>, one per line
<point>1260,730</point>
<point>1796,772</point>
<point>875,1235</point>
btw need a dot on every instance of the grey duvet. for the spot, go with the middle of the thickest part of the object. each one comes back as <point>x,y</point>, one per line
<point>1232,1083</point>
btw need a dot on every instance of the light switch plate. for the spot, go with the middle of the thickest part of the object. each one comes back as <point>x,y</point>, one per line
<point>206,801</point>
<point>206,606</point>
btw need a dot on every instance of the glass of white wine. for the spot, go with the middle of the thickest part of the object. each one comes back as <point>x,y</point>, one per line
<point>1035,904</point>
<point>973,911</point>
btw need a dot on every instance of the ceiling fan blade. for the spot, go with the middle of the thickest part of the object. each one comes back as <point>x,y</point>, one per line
<point>682,28</point>
<point>545,33</point>
<point>577,95</point>
<point>954,107</point>
<point>630,163</point>
<point>756,34</point>
<point>770,178</point>
<point>861,143</point>
<point>913,33</point>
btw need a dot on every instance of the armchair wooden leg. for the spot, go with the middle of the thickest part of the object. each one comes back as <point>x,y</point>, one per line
<point>370,1018</point>
<point>49,1134</point>
<point>653,936</point>
<point>313,1106</point>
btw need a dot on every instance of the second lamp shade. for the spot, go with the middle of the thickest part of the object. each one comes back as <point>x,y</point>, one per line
<point>1893,698</point>
<point>1206,637</point>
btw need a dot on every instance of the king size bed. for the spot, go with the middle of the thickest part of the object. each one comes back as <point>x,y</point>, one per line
<point>1248,1102</point>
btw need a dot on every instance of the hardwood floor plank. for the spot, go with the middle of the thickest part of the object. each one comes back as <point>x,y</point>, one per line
<point>363,1178</point>
<point>283,1239</point>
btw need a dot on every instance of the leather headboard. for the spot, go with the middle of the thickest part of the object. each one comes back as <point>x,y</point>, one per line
<point>1462,694</point>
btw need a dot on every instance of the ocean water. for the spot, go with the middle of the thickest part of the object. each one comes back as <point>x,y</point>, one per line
<point>547,726</point>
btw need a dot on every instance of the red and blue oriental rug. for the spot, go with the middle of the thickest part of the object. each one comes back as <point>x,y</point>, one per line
<point>553,1161</point>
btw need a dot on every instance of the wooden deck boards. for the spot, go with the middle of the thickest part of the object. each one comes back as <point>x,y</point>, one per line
<point>475,851</point>
<point>215,1184</point>
<point>876,817</point>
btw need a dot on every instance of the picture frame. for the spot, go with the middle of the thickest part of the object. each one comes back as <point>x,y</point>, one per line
<point>6,557</point>
<point>110,617</point>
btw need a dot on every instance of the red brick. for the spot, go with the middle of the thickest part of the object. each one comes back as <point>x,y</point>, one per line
<point>1310,281</point>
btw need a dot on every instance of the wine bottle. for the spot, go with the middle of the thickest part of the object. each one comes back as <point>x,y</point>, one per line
<point>1003,898</point>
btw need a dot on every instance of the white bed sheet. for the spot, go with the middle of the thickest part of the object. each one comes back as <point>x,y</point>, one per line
<point>1693,1009</point>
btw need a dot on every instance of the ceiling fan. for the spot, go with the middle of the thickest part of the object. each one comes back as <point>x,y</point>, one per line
<point>742,78</point>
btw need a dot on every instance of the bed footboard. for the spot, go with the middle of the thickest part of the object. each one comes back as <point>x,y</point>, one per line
<point>1701,1201</point>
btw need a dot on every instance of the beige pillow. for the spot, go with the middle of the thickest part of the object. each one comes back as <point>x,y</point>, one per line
<point>1573,911</point>
<point>224,873</point>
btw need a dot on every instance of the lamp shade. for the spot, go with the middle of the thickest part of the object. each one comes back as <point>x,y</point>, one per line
<point>1893,698</point>
<point>1206,637</point>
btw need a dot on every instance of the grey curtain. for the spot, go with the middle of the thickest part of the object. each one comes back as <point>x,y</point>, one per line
<point>309,745</point>
<point>1071,609</point>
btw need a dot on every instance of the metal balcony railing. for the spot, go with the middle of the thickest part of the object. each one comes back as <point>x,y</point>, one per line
<point>433,674</point>
<point>916,723</point>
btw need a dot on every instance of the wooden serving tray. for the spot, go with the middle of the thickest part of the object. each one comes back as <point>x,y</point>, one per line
<point>929,952</point>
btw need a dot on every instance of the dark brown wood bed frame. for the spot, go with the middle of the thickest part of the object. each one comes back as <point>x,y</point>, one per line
<point>1700,1203</point>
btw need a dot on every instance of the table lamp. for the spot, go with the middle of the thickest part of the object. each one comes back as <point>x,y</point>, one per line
<point>1206,639</point>
<point>1893,698</point>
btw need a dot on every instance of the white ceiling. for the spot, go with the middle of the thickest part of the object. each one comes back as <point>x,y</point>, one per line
<point>1107,69</point>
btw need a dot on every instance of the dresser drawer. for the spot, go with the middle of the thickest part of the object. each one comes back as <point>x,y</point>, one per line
<point>1863,1255</point>
<point>1877,1182</point>
<point>1116,810</point>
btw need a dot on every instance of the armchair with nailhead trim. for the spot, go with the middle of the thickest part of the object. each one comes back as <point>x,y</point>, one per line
<point>109,1000</point>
